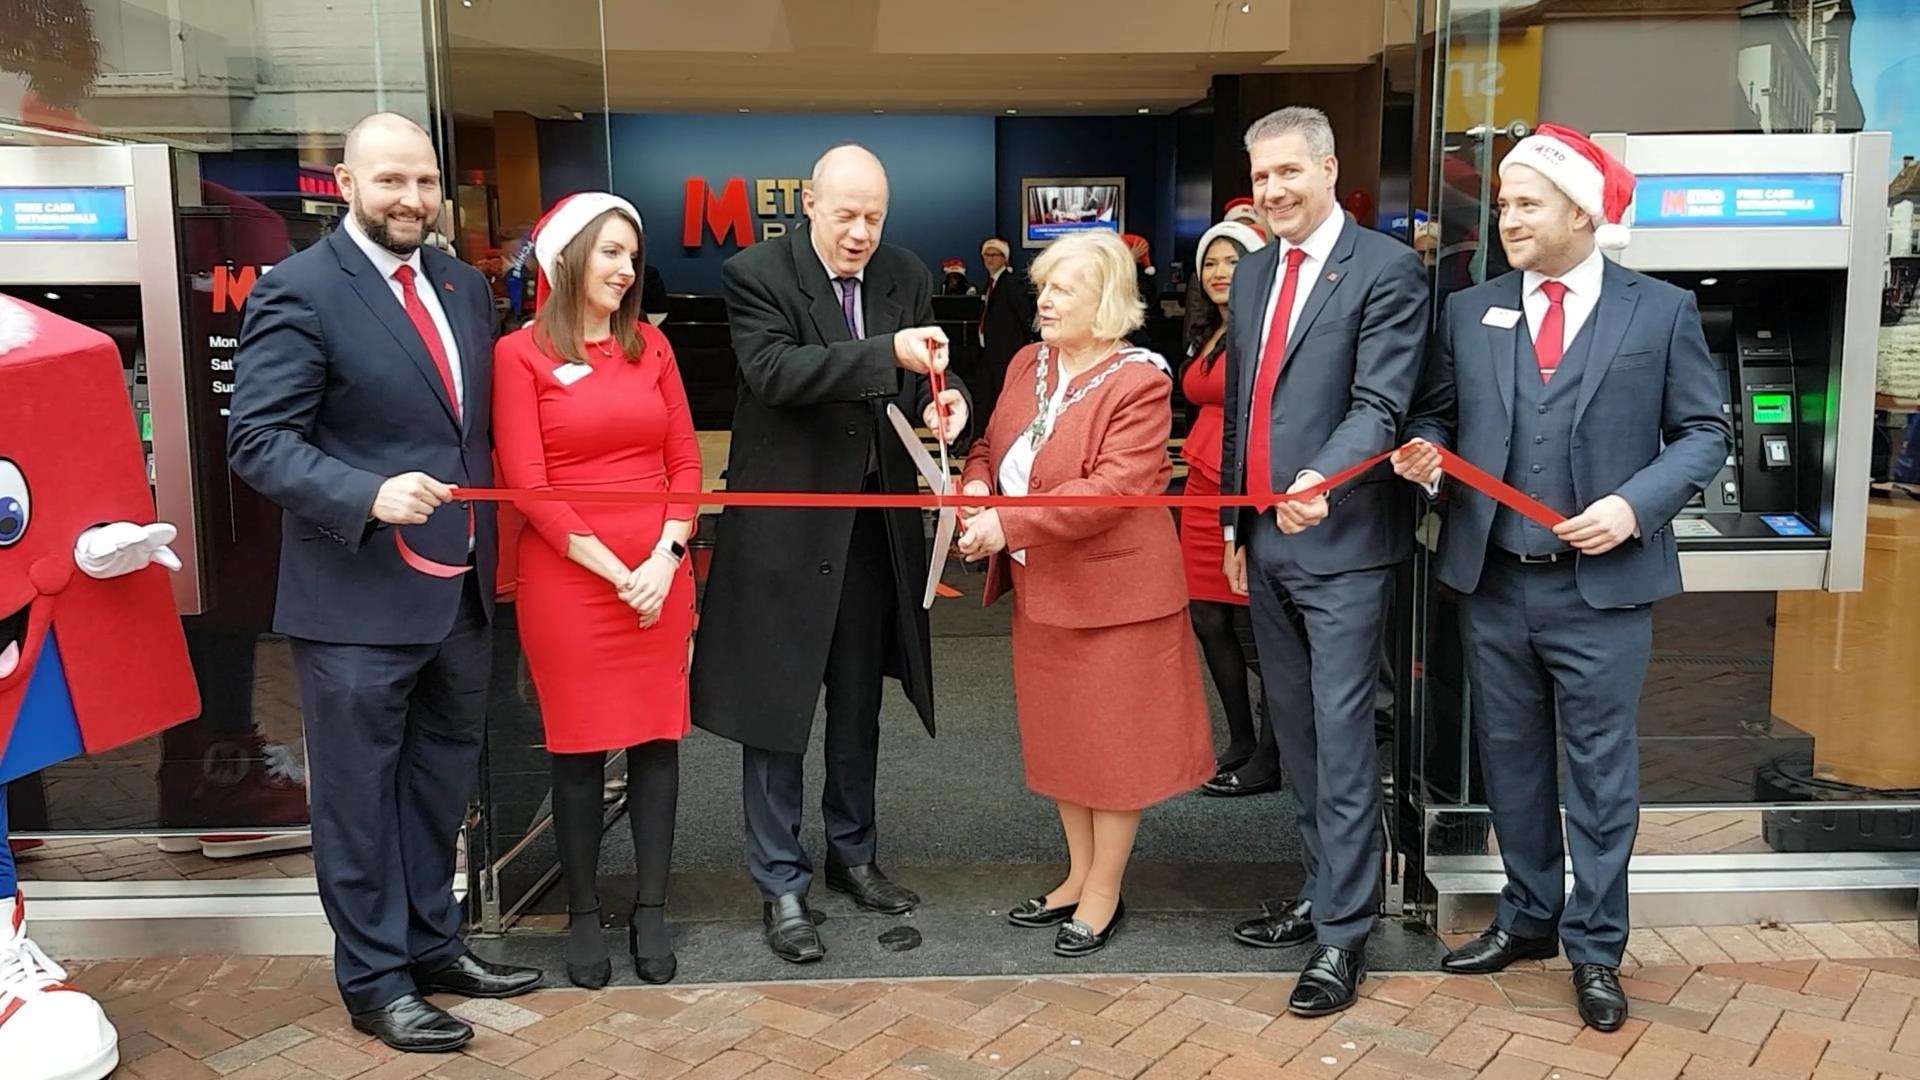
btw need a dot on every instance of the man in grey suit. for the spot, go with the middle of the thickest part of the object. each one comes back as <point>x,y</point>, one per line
<point>1325,339</point>
<point>1588,387</point>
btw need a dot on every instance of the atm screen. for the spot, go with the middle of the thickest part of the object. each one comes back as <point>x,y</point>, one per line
<point>69,213</point>
<point>1746,200</point>
<point>1772,409</point>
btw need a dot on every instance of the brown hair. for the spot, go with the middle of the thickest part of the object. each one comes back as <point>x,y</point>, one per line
<point>560,324</point>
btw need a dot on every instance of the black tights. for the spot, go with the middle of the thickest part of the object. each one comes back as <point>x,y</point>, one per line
<point>1227,663</point>
<point>653,794</point>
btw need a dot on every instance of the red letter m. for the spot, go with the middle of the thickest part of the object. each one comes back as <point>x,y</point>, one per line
<point>726,214</point>
<point>230,289</point>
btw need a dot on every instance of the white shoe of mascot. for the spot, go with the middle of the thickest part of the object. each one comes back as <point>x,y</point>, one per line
<point>48,1029</point>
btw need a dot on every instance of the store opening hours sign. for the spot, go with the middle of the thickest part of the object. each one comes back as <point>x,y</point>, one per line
<point>1750,200</point>
<point>68,213</point>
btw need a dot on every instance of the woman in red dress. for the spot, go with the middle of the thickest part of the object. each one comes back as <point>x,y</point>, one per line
<point>1112,716</point>
<point>1251,763</point>
<point>588,396</point>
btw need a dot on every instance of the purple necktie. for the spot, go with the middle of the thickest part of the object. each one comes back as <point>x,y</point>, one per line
<point>849,287</point>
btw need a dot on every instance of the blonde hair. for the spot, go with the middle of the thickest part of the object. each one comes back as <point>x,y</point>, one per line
<point>1109,266</point>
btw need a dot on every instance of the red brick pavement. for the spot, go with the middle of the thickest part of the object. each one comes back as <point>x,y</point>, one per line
<point>1831,1001</point>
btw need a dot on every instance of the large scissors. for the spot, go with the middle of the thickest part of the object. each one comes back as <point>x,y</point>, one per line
<point>941,482</point>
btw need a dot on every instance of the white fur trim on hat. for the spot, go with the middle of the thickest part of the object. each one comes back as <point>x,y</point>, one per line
<point>17,324</point>
<point>1240,232</point>
<point>997,244</point>
<point>565,221</point>
<point>1564,167</point>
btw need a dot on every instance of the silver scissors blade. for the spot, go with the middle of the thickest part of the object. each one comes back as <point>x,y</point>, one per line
<point>942,484</point>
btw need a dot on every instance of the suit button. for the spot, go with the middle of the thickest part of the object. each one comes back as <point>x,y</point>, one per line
<point>1538,439</point>
<point>853,429</point>
<point>1536,468</point>
<point>1506,442</point>
<point>1543,410</point>
<point>826,568</point>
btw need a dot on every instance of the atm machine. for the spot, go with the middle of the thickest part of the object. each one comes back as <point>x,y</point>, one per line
<point>1781,238</point>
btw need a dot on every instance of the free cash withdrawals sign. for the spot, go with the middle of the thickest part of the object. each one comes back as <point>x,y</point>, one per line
<point>1745,200</point>
<point>70,213</point>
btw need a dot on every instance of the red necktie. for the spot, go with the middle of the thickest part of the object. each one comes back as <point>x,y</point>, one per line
<point>1273,356</point>
<point>1549,343</point>
<point>429,333</point>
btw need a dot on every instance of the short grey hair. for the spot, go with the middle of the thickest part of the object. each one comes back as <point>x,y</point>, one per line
<point>1304,120</point>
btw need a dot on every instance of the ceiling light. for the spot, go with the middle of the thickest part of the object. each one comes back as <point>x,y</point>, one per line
<point>743,108</point>
<point>1246,9</point>
<point>1709,281</point>
<point>52,295</point>
<point>879,112</point>
<point>1143,110</point>
<point>1013,112</point>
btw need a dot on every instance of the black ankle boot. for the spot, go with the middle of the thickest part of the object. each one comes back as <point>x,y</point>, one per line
<point>658,968</point>
<point>588,965</point>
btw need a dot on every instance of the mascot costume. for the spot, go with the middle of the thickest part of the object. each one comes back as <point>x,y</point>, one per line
<point>91,651</point>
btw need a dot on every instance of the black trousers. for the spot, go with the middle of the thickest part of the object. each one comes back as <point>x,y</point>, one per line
<point>1319,639</point>
<point>773,784</point>
<point>1548,668</point>
<point>393,750</point>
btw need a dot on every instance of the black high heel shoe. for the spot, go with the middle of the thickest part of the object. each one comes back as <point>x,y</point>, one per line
<point>595,975</point>
<point>1077,939</point>
<point>650,969</point>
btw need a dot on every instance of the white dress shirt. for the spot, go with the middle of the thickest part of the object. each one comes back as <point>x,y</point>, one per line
<point>386,262</point>
<point>1583,293</point>
<point>859,293</point>
<point>1318,245</point>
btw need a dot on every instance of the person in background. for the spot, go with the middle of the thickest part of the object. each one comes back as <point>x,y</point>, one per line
<point>1250,764</point>
<point>1006,321</point>
<point>953,279</point>
<point>1587,386</point>
<point>1112,715</point>
<point>588,396</point>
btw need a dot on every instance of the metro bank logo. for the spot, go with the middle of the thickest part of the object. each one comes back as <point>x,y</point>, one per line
<point>727,215</point>
<point>232,284</point>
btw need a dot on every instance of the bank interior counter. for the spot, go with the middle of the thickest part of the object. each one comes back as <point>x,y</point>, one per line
<point>1781,240</point>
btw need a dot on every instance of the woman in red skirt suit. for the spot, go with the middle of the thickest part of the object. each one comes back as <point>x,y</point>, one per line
<point>1112,715</point>
<point>1251,763</point>
<point>588,396</point>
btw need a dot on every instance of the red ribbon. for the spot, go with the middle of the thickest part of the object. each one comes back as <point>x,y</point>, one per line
<point>1452,465</point>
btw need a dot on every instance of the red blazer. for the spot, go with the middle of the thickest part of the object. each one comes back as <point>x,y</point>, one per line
<point>1096,566</point>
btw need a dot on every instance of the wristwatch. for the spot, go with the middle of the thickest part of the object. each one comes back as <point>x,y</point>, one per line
<point>674,548</point>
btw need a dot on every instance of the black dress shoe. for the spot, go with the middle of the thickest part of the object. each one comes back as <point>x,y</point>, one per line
<point>1329,983</point>
<point>1077,939</point>
<point>1230,761</point>
<point>1596,990</point>
<point>870,888</point>
<point>1229,785</point>
<point>1281,925</point>
<point>1034,914</point>
<point>470,976</point>
<point>651,969</point>
<point>1494,950</point>
<point>790,931</point>
<point>413,1025</point>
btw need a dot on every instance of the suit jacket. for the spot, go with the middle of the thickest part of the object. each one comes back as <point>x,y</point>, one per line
<point>1096,566</point>
<point>334,392</point>
<point>811,402</point>
<point>1007,323</point>
<point>1352,367</point>
<point>1648,424</point>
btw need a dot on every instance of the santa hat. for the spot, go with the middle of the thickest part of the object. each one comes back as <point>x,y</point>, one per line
<point>997,244</point>
<point>17,325</point>
<point>953,266</point>
<point>1248,237</point>
<point>553,232</point>
<point>1137,244</point>
<point>1594,179</point>
<point>1242,209</point>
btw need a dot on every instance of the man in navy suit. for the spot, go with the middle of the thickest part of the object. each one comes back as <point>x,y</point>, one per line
<point>1326,334</point>
<point>360,396</point>
<point>1588,387</point>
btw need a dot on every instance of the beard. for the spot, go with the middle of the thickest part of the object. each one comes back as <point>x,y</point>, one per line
<point>378,232</point>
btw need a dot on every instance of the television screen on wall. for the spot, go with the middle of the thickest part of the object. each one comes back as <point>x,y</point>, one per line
<point>1052,207</point>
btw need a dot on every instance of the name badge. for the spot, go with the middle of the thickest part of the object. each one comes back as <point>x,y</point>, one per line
<point>1503,318</point>
<point>568,374</point>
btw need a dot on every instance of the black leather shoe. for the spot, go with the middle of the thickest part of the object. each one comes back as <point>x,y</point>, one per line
<point>1035,914</point>
<point>1281,925</point>
<point>1077,939</point>
<point>652,969</point>
<point>1329,983</point>
<point>1494,950</point>
<point>870,888</point>
<point>413,1025</point>
<point>1596,990</point>
<point>470,976</point>
<point>790,931</point>
<point>1229,785</point>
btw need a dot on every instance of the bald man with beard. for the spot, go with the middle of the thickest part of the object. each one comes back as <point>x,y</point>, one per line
<point>359,402</point>
<point>829,327</point>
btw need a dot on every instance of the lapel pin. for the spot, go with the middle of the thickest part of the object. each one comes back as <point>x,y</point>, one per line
<point>448,285</point>
<point>1333,276</point>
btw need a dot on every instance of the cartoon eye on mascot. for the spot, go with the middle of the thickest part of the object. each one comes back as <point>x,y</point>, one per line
<point>91,650</point>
